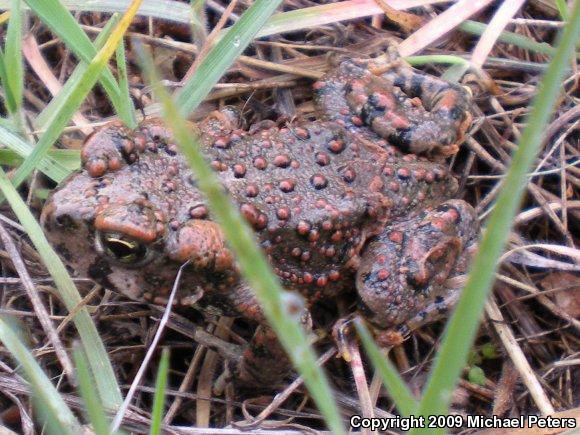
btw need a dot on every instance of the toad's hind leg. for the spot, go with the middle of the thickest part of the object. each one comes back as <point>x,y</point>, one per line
<point>442,117</point>
<point>264,362</point>
<point>413,110</point>
<point>403,278</point>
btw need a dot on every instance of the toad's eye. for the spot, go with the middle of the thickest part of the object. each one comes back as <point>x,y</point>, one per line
<point>122,249</point>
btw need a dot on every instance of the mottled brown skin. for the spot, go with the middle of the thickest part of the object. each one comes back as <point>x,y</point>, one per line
<point>334,204</point>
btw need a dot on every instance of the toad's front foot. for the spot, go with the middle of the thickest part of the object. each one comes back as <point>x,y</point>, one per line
<point>402,278</point>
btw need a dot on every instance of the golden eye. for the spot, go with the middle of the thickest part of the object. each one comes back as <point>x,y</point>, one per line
<point>122,249</point>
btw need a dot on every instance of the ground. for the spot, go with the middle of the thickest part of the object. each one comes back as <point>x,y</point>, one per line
<point>534,306</point>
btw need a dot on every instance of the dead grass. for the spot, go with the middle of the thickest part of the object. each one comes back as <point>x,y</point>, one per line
<point>528,344</point>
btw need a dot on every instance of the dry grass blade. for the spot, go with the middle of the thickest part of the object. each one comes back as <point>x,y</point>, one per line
<point>360,381</point>
<point>501,19</point>
<point>136,381</point>
<point>442,24</point>
<point>54,411</point>
<point>316,16</point>
<point>518,358</point>
<point>34,58</point>
<point>44,118</point>
<point>106,383</point>
<point>39,308</point>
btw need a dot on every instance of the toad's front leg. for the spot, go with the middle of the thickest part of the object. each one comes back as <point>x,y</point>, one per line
<point>402,281</point>
<point>264,362</point>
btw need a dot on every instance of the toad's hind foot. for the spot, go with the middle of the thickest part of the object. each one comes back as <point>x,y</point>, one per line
<point>413,110</point>
<point>443,115</point>
<point>404,271</point>
<point>264,363</point>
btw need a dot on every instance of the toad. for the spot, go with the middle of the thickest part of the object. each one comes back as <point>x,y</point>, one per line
<point>351,201</point>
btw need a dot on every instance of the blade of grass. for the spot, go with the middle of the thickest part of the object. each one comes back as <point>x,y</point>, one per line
<point>198,22</point>
<point>124,80</point>
<point>8,97</point>
<point>477,28</point>
<point>278,304</point>
<point>223,55</point>
<point>55,15</point>
<point>101,366</point>
<point>94,408</point>
<point>462,327</point>
<point>169,10</point>
<point>44,118</point>
<point>159,398</point>
<point>78,94</point>
<point>6,123</point>
<point>44,392</point>
<point>562,9</point>
<point>290,21</point>
<point>13,58</point>
<point>436,58</point>
<point>47,165</point>
<point>394,384</point>
<point>67,160</point>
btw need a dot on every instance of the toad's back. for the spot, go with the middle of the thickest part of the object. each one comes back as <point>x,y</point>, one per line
<point>312,192</point>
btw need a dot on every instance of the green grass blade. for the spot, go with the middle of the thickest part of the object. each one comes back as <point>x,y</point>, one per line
<point>8,97</point>
<point>45,394</point>
<point>55,15</point>
<point>477,28</point>
<point>67,160</point>
<point>159,398</point>
<point>6,123</point>
<point>47,164</point>
<point>101,366</point>
<point>562,9</point>
<point>198,22</point>
<point>278,304</point>
<point>394,384</point>
<point>427,59</point>
<point>45,117</point>
<point>223,55</point>
<point>170,10</point>
<point>94,408</point>
<point>13,57</point>
<point>76,97</point>
<point>462,327</point>
<point>124,82</point>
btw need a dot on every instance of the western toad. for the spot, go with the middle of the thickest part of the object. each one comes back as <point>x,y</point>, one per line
<point>340,203</point>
